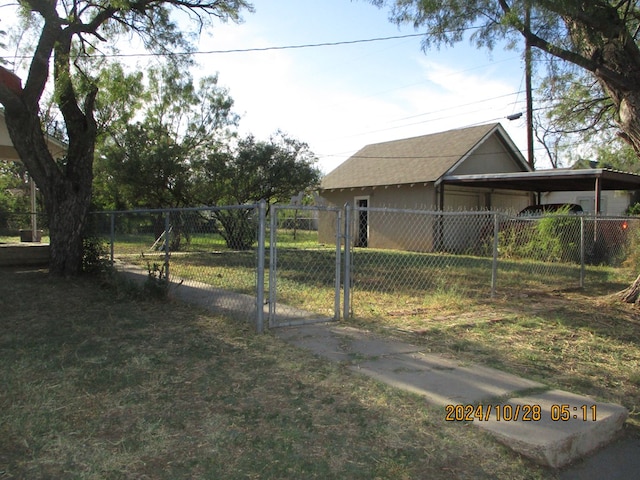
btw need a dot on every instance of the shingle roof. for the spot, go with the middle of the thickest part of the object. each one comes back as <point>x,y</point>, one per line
<point>412,160</point>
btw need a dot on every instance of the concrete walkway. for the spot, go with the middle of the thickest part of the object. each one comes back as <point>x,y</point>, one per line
<point>553,428</point>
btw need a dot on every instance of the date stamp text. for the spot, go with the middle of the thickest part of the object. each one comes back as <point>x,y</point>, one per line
<point>517,412</point>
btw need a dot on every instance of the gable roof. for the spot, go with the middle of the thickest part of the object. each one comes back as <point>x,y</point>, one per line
<point>415,160</point>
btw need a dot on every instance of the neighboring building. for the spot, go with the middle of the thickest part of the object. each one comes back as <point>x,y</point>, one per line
<point>8,152</point>
<point>409,174</point>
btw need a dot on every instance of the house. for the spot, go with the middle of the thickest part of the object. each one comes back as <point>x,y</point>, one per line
<point>410,174</point>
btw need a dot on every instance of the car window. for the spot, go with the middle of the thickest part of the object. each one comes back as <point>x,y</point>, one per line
<point>539,210</point>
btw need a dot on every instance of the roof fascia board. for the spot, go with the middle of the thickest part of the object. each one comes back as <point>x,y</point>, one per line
<point>607,177</point>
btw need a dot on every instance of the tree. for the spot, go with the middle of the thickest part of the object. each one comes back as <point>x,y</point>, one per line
<point>148,163</point>
<point>69,34</point>
<point>575,120</point>
<point>2,46</point>
<point>251,171</point>
<point>597,36</point>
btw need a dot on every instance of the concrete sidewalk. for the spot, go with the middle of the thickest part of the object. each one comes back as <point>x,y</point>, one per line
<point>551,427</point>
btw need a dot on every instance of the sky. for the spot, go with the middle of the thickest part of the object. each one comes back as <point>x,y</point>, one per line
<point>343,97</point>
<point>340,98</point>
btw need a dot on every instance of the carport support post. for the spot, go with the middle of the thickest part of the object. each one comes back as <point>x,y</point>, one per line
<point>262,226</point>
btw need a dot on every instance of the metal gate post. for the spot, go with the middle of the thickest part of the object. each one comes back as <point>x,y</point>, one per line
<point>262,226</point>
<point>494,264</point>
<point>273,212</point>
<point>347,261</point>
<point>112,236</point>
<point>336,303</point>
<point>167,223</point>
<point>582,256</point>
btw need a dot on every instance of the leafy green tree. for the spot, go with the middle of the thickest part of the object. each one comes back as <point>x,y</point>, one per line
<point>251,171</point>
<point>148,163</point>
<point>574,119</point>
<point>597,37</point>
<point>14,192</point>
<point>70,32</point>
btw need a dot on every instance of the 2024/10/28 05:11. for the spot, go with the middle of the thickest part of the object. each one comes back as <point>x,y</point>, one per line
<point>513,413</point>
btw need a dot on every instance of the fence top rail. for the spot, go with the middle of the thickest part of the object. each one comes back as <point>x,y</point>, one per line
<point>584,215</point>
<point>424,212</point>
<point>276,206</point>
<point>506,215</point>
<point>178,209</point>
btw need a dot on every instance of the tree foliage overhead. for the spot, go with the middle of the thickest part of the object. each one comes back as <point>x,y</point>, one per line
<point>598,37</point>
<point>69,35</point>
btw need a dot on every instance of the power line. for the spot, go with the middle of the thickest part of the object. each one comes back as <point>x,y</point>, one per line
<point>254,49</point>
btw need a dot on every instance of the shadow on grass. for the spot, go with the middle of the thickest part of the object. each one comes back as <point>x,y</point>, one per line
<point>98,383</point>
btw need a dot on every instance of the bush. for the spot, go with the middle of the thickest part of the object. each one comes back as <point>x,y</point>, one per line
<point>554,237</point>
<point>157,283</point>
<point>95,255</point>
<point>559,238</point>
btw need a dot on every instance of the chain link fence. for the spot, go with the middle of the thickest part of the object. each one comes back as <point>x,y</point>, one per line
<point>208,255</point>
<point>23,227</point>
<point>292,265</point>
<point>400,257</point>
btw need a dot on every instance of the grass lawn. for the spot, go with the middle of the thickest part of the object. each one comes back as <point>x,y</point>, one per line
<point>539,326</point>
<point>99,383</point>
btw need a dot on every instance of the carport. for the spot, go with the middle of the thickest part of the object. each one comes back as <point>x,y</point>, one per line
<point>557,180</point>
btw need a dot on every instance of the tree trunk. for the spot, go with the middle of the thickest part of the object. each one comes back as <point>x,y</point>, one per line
<point>67,218</point>
<point>614,59</point>
<point>631,293</point>
<point>65,184</point>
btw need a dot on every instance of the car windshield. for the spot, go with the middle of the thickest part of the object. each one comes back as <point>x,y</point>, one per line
<point>561,208</point>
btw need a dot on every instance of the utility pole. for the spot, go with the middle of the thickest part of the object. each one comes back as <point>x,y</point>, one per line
<point>528,74</point>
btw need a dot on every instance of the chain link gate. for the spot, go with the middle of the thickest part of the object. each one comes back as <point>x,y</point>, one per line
<point>304,269</point>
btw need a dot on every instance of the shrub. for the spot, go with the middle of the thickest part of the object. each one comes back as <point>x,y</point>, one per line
<point>95,255</point>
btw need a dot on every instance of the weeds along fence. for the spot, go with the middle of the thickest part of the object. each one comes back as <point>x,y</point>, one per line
<point>295,264</point>
<point>208,255</point>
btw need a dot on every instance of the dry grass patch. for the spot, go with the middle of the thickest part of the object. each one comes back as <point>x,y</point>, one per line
<point>98,383</point>
<point>583,342</point>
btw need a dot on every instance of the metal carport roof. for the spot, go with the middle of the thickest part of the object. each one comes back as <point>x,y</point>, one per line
<point>550,180</point>
<point>558,180</point>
